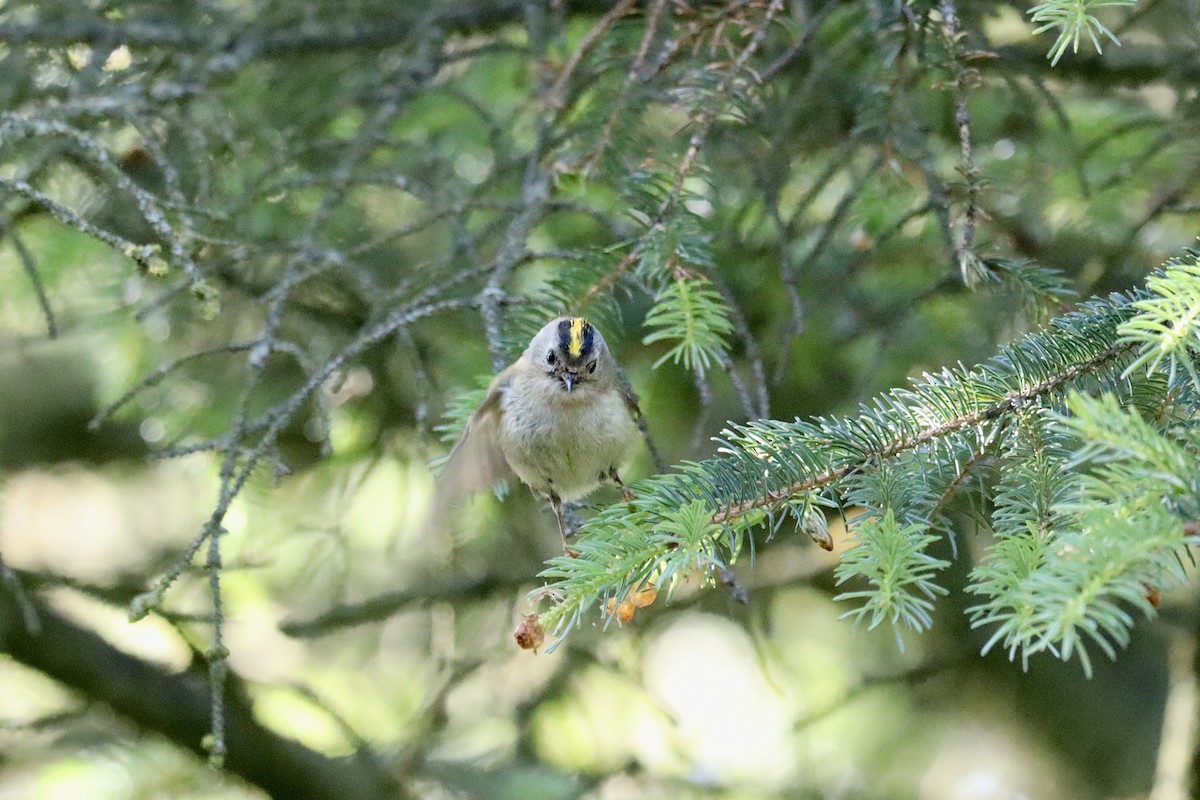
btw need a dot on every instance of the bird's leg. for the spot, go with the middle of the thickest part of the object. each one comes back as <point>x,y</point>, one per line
<point>557,506</point>
<point>627,494</point>
<point>564,532</point>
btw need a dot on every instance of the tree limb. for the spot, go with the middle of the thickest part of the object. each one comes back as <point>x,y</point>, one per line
<point>176,705</point>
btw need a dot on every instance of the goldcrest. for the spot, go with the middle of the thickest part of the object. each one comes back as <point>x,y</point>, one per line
<point>562,417</point>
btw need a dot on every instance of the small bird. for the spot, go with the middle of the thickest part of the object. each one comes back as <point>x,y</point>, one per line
<point>563,417</point>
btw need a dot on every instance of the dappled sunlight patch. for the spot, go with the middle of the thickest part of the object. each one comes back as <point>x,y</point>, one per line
<point>732,724</point>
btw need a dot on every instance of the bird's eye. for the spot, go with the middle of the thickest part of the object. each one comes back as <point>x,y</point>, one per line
<point>592,367</point>
<point>550,358</point>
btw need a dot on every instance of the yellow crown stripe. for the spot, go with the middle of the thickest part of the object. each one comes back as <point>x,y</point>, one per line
<point>575,340</point>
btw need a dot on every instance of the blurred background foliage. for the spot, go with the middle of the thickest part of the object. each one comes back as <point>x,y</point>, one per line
<point>253,250</point>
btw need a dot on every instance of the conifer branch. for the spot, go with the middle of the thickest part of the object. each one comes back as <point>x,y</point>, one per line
<point>1073,18</point>
<point>963,79</point>
<point>1167,326</point>
<point>1014,400</point>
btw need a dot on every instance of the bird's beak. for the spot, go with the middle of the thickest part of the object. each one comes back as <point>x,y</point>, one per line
<point>568,379</point>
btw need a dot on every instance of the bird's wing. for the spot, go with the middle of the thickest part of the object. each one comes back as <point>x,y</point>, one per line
<point>476,461</point>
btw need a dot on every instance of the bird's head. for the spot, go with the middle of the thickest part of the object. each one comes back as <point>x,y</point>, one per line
<point>571,351</point>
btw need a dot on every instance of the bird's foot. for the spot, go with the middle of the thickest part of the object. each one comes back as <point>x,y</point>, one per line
<point>627,494</point>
